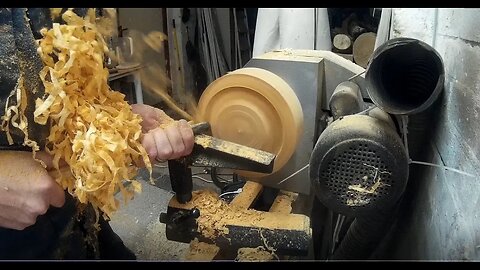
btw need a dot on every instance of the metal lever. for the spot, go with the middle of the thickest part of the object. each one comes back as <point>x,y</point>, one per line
<point>183,215</point>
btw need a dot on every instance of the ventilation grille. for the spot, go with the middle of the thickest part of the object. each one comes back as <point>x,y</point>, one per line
<point>358,177</point>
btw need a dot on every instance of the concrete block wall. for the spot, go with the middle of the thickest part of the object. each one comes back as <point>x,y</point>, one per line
<point>442,219</point>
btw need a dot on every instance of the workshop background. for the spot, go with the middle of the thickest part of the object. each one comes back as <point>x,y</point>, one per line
<point>438,219</point>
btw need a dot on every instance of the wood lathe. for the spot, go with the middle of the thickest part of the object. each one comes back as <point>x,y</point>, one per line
<point>205,216</point>
<point>273,104</point>
<point>315,110</point>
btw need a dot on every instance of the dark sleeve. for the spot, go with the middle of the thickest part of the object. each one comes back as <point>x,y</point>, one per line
<point>39,18</point>
<point>9,71</point>
<point>19,58</point>
<point>19,30</point>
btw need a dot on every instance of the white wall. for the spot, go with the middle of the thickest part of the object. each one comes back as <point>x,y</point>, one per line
<point>291,28</point>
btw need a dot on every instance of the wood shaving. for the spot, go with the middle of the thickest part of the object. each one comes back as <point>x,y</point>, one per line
<point>93,128</point>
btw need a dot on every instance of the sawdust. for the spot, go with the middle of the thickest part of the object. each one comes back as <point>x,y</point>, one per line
<point>155,79</point>
<point>370,190</point>
<point>266,245</point>
<point>106,24</point>
<point>216,215</point>
<point>55,13</point>
<point>358,201</point>
<point>155,40</point>
<point>258,254</point>
<point>200,251</point>
<point>203,141</point>
<point>169,101</point>
<point>360,193</point>
<point>283,202</point>
<point>363,194</point>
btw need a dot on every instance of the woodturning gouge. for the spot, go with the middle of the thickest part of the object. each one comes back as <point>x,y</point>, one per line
<point>209,151</point>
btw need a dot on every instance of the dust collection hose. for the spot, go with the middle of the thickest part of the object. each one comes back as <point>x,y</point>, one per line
<point>405,76</point>
<point>363,236</point>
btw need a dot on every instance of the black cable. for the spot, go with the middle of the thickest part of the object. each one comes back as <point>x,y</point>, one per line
<point>216,181</point>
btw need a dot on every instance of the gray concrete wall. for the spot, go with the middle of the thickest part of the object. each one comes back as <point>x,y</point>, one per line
<point>442,219</point>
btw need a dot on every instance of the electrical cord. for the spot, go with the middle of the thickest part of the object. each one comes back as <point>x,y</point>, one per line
<point>231,192</point>
<point>201,178</point>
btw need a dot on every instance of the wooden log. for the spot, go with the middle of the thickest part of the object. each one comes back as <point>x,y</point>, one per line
<point>363,48</point>
<point>342,43</point>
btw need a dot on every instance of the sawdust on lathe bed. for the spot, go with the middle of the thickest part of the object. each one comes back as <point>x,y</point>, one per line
<point>216,214</point>
<point>283,202</point>
<point>258,254</point>
<point>200,251</point>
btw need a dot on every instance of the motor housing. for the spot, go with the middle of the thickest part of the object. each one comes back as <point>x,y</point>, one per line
<point>359,165</point>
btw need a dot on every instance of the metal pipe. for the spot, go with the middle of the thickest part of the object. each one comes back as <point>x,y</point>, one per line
<point>346,100</point>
